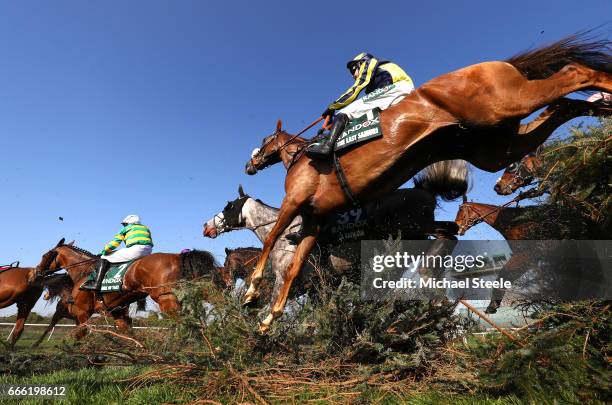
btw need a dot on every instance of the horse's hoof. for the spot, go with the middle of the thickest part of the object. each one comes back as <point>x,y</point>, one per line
<point>490,310</point>
<point>263,329</point>
<point>250,302</point>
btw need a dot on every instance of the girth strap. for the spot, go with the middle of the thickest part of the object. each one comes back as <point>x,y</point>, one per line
<point>343,183</point>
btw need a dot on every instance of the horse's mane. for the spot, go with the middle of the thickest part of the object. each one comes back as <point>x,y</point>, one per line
<point>58,286</point>
<point>266,205</point>
<point>582,48</point>
<point>245,249</point>
<point>80,250</point>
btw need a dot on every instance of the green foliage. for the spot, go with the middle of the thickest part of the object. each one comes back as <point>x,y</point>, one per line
<point>567,358</point>
<point>577,172</point>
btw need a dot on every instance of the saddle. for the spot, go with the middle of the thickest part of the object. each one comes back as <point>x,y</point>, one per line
<point>9,266</point>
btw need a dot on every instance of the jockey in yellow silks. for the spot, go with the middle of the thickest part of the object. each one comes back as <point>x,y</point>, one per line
<point>138,243</point>
<point>385,84</point>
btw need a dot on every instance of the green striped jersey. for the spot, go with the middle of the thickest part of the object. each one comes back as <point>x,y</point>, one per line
<point>133,234</point>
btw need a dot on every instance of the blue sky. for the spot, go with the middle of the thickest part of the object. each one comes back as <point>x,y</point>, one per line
<point>153,107</point>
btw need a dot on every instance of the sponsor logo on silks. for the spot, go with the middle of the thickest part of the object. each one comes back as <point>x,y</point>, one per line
<point>377,93</point>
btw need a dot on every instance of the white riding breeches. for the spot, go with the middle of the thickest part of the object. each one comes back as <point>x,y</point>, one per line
<point>381,98</point>
<point>127,254</point>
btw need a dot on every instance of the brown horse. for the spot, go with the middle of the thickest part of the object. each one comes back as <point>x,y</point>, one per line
<point>60,289</point>
<point>239,262</point>
<point>14,289</point>
<point>155,275</point>
<point>518,174</point>
<point>473,114</point>
<point>514,223</point>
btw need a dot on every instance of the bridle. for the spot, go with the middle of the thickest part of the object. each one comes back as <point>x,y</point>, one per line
<point>523,175</point>
<point>280,148</point>
<point>477,219</point>
<point>481,217</point>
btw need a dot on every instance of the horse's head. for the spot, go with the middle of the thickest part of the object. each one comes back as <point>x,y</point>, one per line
<point>466,216</point>
<point>229,219</point>
<point>518,174</point>
<point>49,263</point>
<point>271,149</point>
<point>240,262</point>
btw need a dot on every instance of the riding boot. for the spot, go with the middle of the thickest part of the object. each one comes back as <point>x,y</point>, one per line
<point>97,284</point>
<point>323,149</point>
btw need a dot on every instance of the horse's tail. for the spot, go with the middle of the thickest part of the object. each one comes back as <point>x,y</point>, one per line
<point>447,179</point>
<point>582,47</point>
<point>197,263</point>
<point>141,305</point>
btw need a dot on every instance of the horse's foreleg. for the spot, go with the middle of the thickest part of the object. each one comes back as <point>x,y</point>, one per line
<point>122,320</point>
<point>512,271</point>
<point>287,213</point>
<point>302,252</point>
<point>167,301</point>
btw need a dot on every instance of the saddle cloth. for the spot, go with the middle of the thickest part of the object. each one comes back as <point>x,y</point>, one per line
<point>113,279</point>
<point>359,130</point>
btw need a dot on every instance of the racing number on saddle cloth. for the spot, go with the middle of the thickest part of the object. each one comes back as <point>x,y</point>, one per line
<point>113,279</point>
<point>349,225</point>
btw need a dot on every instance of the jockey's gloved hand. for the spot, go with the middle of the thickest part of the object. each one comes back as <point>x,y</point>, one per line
<point>328,113</point>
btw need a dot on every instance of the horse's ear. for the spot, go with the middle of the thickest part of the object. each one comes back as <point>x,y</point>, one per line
<point>279,125</point>
<point>464,198</point>
<point>227,251</point>
<point>61,242</point>
<point>71,243</point>
<point>241,191</point>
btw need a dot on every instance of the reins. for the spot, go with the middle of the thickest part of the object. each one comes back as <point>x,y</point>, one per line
<point>48,271</point>
<point>481,217</point>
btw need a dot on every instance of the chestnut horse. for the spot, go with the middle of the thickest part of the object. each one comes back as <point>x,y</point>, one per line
<point>239,262</point>
<point>14,289</point>
<point>154,275</point>
<point>473,113</point>
<point>518,174</point>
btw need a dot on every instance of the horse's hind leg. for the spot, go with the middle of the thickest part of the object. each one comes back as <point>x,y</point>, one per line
<point>574,77</point>
<point>24,307</point>
<point>287,213</point>
<point>495,152</point>
<point>302,252</point>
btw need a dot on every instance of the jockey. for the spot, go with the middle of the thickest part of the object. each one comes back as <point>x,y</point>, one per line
<point>370,74</point>
<point>138,243</point>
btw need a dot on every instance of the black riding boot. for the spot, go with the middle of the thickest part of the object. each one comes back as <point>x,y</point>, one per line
<point>323,149</point>
<point>97,284</point>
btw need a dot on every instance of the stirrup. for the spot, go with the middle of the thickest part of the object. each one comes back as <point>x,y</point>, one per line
<point>88,286</point>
